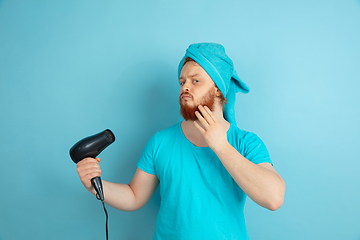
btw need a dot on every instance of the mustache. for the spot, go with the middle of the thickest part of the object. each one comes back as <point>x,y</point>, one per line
<point>186,93</point>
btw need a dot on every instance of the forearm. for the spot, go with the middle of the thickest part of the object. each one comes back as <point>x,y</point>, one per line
<point>261,183</point>
<point>126,197</point>
<point>264,186</point>
<point>132,196</point>
<point>119,196</point>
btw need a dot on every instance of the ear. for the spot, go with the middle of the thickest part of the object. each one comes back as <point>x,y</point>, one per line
<point>217,92</point>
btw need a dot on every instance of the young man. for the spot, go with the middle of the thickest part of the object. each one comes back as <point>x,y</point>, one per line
<point>205,165</point>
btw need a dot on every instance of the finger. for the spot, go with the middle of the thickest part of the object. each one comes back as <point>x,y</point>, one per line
<point>205,111</point>
<point>85,176</point>
<point>88,170</point>
<point>211,114</point>
<point>201,119</point>
<point>88,160</point>
<point>199,127</point>
<point>89,173</point>
<point>91,159</point>
<point>88,166</point>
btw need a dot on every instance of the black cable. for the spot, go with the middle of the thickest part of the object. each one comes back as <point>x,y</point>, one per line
<point>106,225</point>
<point>106,214</point>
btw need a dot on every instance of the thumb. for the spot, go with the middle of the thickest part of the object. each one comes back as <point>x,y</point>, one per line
<point>98,159</point>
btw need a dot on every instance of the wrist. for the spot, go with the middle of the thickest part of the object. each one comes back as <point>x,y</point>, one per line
<point>221,148</point>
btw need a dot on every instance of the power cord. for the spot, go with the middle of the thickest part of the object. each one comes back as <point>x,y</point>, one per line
<point>106,215</point>
<point>106,225</point>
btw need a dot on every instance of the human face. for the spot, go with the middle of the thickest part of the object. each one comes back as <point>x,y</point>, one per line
<point>188,111</point>
<point>197,88</point>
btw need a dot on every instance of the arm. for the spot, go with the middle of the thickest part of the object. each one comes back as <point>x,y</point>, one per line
<point>125,197</point>
<point>260,182</point>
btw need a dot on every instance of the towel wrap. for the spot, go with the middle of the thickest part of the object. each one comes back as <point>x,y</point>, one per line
<point>213,59</point>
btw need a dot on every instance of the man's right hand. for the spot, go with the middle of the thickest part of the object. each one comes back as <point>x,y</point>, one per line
<point>126,197</point>
<point>88,168</point>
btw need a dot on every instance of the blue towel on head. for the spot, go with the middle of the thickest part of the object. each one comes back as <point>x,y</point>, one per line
<point>213,59</point>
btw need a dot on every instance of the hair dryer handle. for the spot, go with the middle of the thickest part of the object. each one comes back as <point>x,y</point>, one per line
<point>97,184</point>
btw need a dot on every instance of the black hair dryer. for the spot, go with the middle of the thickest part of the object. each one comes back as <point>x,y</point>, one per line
<point>91,147</point>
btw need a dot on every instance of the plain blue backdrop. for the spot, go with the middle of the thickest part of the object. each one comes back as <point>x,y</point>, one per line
<point>70,69</point>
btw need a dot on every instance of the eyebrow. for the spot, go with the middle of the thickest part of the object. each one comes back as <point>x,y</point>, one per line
<point>194,75</point>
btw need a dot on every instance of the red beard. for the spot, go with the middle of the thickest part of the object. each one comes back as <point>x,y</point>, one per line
<point>188,112</point>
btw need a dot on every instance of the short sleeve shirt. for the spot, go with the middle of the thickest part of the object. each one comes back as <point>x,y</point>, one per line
<point>199,198</point>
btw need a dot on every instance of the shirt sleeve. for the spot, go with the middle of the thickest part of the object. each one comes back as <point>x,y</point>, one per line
<point>255,149</point>
<point>146,161</point>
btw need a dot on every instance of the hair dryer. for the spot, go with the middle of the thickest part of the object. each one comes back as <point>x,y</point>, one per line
<point>91,147</point>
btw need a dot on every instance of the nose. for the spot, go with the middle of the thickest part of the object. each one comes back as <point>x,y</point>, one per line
<point>185,87</point>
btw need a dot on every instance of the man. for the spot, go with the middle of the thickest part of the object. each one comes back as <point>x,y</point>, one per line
<point>205,165</point>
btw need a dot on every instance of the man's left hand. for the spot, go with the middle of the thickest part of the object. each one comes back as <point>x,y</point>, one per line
<point>214,133</point>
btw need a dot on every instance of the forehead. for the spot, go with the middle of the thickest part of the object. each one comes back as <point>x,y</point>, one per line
<point>192,68</point>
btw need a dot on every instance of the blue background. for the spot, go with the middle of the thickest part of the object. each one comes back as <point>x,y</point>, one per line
<point>70,69</point>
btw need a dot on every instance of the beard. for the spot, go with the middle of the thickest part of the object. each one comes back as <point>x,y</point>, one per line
<point>188,111</point>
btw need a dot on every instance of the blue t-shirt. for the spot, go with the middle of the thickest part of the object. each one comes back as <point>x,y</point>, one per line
<point>199,198</point>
